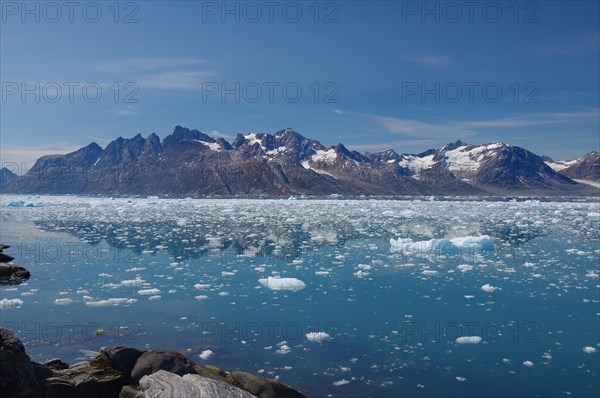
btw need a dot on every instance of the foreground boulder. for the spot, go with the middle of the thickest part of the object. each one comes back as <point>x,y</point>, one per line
<point>16,370</point>
<point>168,385</point>
<point>154,360</point>
<point>94,379</point>
<point>13,274</point>
<point>122,372</point>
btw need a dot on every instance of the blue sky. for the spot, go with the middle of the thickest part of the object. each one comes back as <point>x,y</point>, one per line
<point>373,75</point>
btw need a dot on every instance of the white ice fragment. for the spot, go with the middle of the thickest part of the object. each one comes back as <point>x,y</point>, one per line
<point>318,337</point>
<point>206,354</point>
<point>7,304</point>
<point>111,302</point>
<point>148,292</point>
<point>467,244</point>
<point>201,286</point>
<point>469,340</point>
<point>63,301</point>
<point>489,288</point>
<point>528,364</point>
<point>341,382</point>
<point>589,350</point>
<point>275,283</point>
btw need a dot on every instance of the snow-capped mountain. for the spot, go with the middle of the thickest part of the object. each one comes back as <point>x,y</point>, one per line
<point>585,168</point>
<point>189,162</point>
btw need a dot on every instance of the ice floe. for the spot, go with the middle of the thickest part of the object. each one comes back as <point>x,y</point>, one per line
<point>275,283</point>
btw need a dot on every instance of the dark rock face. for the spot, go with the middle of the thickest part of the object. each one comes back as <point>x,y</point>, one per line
<point>95,379</point>
<point>7,176</point>
<point>155,360</point>
<point>121,358</point>
<point>107,376</point>
<point>262,388</point>
<point>18,375</point>
<point>13,274</point>
<point>586,167</point>
<point>189,162</point>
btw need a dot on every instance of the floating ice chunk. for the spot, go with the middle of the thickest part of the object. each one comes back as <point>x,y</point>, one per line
<point>589,350</point>
<point>206,354</point>
<point>7,304</point>
<point>283,349</point>
<point>111,302</point>
<point>275,283</point>
<point>462,244</point>
<point>528,364</point>
<point>489,288</point>
<point>461,378</point>
<point>469,296</point>
<point>227,273</point>
<point>469,340</point>
<point>201,297</point>
<point>201,286</point>
<point>153,298</point>
<point>133,282</point>
<point>23,203</point>
<point>465,267</point>
<point>318,337</point>
<point>361,274</point>
<point>430,272</point>
<point>63,301</point>
<point>341,382</point>
<point>148,292</point>
<point>321,273</point>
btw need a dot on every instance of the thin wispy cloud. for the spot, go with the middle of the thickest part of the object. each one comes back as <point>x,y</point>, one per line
<point>585,44</point>
<point>175,80</point>
<point>128,110</point>
<point>539,119</point>
<point>132,65</point>
<point>416,128</point>
<point>429,60</point>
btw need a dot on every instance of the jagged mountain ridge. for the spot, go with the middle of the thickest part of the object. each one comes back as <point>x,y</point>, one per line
<point>189,162</point>
<point>586,167</point>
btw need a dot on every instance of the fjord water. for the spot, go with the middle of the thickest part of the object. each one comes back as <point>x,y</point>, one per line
<point>183,274</point>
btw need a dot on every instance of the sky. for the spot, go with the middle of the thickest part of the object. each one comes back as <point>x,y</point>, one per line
<point>373,75</point>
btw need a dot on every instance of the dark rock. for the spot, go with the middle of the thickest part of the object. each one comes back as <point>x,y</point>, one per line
<point>154,360</point>
<point>262,388</point>
<point>56,364</point>
<point>212,372</point>
<point>131,392</point>
<point>4,258</point>
<point>13,274</point>
<point>121,358</point>
<point>17,373</point>
<point>94,379</point>
<point>59,388</point>
<point>41,371</point>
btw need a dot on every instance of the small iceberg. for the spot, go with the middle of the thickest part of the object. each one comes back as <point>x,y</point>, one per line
<point>469,340</point>
<point>23,203</point>
<point>274,283</point>
<point>444,246</point>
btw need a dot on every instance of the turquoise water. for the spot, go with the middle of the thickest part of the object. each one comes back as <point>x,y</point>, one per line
<point>183,274</point>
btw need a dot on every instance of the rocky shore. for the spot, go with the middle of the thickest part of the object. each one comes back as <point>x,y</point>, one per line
<point>11,274</point>
<point>123,372</point>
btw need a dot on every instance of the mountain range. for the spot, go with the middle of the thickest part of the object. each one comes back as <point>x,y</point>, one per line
<point>189,162</point>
